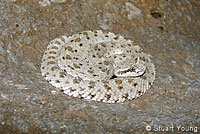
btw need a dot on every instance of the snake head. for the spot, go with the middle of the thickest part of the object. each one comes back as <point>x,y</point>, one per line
<point>134,70</point>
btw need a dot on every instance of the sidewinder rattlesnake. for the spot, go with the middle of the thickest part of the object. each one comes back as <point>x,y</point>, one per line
<point>98,65</point>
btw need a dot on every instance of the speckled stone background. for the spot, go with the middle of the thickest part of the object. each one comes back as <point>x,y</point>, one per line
<point>168,30</point>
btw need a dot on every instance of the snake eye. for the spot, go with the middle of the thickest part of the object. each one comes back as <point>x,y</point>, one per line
<point>113,77</point>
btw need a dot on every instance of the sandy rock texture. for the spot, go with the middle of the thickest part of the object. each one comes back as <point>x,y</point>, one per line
<point>168,30</point>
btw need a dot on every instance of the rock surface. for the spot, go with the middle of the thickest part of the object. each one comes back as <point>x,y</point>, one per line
<point>169,30</point>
